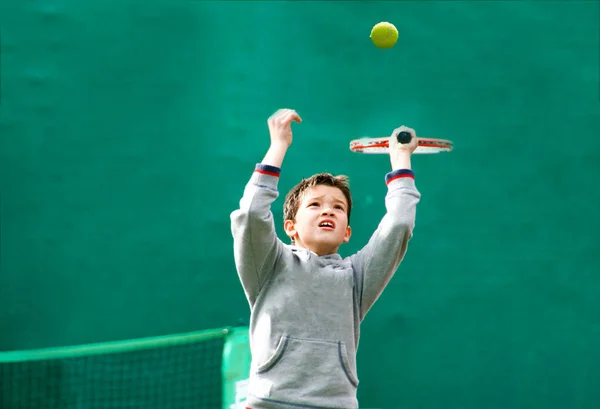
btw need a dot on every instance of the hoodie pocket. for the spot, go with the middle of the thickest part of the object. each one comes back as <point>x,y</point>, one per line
<point>318,366</point>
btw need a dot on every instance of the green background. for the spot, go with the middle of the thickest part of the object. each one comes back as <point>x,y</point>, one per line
<point>128,130</point>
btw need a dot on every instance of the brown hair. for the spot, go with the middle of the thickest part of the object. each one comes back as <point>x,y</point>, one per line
<point>294,197</point>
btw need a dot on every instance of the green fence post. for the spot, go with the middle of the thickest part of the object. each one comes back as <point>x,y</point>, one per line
<point>235,368</point>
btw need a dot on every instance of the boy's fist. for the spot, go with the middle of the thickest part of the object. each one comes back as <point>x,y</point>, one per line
<point>396,146</point>
<point>400,151</point>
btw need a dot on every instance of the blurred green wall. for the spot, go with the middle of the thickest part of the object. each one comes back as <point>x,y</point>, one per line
<point>128,130</point>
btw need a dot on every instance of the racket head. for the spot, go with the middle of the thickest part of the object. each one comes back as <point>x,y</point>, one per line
<point>380,145</point>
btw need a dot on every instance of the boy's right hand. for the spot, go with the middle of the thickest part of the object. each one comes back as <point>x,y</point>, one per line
<point>280,126</point>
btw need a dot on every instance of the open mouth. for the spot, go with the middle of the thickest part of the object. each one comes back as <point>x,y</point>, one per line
<point>327,225</point>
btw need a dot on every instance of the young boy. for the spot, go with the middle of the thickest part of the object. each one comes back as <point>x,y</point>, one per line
<point>306,301</point>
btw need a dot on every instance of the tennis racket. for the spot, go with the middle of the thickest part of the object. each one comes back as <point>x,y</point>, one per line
<point>381,145</point>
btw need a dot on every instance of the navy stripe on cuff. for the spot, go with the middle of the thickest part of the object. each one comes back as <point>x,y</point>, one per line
<point>397,174</point>
<point>267,170</point>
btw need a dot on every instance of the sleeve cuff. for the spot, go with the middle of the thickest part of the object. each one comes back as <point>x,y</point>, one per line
<point>267,170</point>
<point>398,174</point>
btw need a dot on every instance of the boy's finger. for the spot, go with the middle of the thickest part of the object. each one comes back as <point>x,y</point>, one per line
<point>393,142</point>
<point>291,116</point>
<point>394,136</point>
<point>280,114</point>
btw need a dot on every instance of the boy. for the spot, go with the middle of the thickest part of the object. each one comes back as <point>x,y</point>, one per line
<point>306,301</point>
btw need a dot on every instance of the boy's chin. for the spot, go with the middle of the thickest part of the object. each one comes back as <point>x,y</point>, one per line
<point>328,246</point>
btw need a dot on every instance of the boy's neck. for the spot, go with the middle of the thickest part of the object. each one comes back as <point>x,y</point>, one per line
<point>317,252</point>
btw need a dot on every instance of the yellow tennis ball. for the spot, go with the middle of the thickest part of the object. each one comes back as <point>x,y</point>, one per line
<point>384,35</point>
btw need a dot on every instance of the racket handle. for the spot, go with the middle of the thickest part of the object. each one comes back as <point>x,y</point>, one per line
<point>404,137</point>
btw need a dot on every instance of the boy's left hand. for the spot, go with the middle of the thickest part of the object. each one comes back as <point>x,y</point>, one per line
<point>400,152</point>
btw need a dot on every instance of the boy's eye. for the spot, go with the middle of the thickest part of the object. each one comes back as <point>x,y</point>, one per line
<point>314,204</point>
<point>339,207</point>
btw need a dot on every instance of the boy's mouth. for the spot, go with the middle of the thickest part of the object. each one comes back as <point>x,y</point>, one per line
<point>327,224</point>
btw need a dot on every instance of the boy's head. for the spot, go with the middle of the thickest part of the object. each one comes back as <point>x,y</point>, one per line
<point>317,211</point>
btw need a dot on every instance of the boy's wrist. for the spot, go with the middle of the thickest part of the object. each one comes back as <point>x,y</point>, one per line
<point>275,154</point>
<point>401,160</point>
<point>279,145</point>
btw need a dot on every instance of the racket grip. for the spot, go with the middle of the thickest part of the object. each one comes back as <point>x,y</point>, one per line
<point>404,137</point>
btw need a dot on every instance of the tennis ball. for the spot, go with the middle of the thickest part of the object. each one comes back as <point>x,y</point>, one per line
<point>384,35</point>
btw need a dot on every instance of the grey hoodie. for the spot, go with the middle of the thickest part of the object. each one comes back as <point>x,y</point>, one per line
<point>306,310</point>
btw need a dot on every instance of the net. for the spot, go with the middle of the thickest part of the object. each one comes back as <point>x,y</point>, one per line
<point>172,372</point>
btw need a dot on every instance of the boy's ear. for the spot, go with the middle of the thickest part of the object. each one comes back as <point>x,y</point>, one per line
<point>290,228</point>
<point>348,234</point>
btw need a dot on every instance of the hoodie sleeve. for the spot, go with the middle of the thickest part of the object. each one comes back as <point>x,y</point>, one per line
<point>377,261</point>
<point>256,245</point>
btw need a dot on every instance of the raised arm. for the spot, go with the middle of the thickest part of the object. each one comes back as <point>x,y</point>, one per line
<point>377,262</point>
<point>256,245</point>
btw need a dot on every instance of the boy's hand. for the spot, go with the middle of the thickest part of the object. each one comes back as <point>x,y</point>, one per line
<point>399,152</point>
<point>280,126</point>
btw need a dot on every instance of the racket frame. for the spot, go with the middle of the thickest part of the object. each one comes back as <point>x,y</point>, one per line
<point>380,145</point>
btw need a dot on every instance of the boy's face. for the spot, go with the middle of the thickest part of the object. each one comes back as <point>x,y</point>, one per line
<point>321,223</point>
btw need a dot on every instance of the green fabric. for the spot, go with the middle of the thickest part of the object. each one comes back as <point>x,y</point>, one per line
<point>128,130</point>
